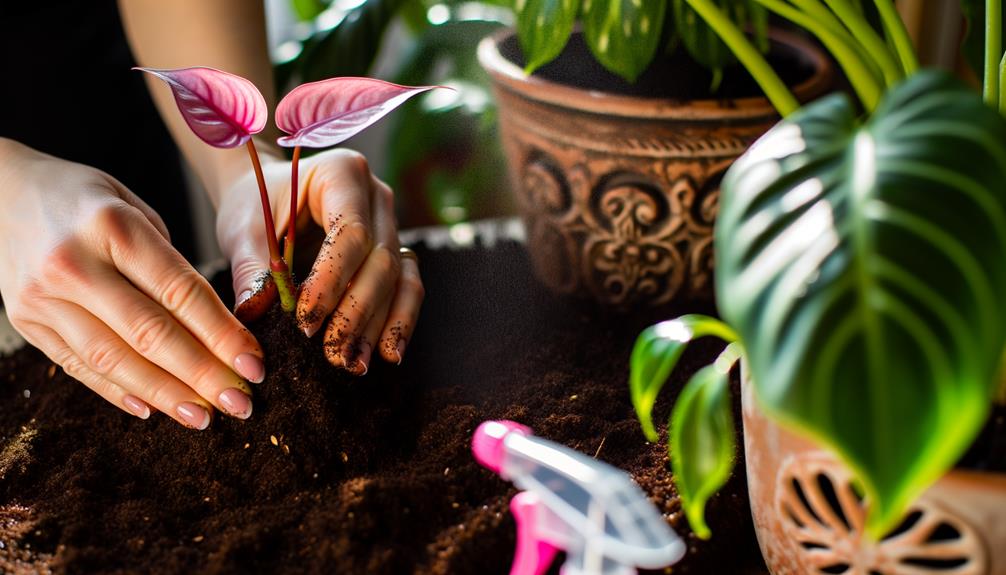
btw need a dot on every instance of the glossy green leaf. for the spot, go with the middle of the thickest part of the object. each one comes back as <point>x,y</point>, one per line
<point>655,354</point>
<point>543,28</point>
<point>702,438</point>
<point>624,34</point>
<point>703,43</point>
<point>862,265</point>
<point>307,10</point>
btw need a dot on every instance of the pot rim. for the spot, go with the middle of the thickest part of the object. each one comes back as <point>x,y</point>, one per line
<point>507,74</point>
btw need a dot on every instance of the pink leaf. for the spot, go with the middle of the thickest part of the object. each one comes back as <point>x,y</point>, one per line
<point>325,113</point>
<point>224,110</point>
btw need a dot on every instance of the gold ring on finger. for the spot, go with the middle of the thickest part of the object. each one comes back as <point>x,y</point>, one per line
<point>406,253</point>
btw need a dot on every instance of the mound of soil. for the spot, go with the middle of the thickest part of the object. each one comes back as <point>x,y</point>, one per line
<point>339,474</point>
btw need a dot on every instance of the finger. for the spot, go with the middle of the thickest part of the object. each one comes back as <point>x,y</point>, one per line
<point>368,292</point>
<point>343,209</point>
<point>370,334</point>
<point>60,353</point>
<point>149,262</point>
<point>132,199</point>
<point>404,313</point>
<point>254,289</point>
<point>105,354</point>
<point>149,330</point>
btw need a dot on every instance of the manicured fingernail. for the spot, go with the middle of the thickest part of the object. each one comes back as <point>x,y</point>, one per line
<point>235,402</point>
<point>363,359</point>
<point>250,367</point>
<point>310,330</point>
<point>400,348</point>
<point>136,406</point>
<point>245,296</point>
<point>194,415</point>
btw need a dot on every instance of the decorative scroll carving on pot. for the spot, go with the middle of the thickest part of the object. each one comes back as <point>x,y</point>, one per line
<point>619,228</point>
<point>823,515</point>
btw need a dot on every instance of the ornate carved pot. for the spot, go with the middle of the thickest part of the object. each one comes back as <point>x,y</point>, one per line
<point>618,193</point>
<point>809,518</point>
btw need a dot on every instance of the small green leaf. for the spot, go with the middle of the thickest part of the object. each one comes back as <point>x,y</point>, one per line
<point>307,10</point>
<point>862,264</point>
<point>655,354</point>
<point>703,43</point>
<point>624,34</point>
<point>543,28</point>
<point>702,439</point>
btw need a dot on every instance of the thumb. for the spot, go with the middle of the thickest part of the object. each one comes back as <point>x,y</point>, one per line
<point>254,289</point>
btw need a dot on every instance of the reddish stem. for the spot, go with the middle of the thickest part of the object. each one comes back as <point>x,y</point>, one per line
<point>275,261</point>
<point>291,229</point>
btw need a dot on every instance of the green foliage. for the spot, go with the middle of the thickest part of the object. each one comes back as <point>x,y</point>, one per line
<point>702,438</point>
<point>862,265</point>
<point>348,49</point>
<point>543,28</point>
<point>624,34</point>
<point>704,44</point>
<point>307,10</point>
<point>655,354</point>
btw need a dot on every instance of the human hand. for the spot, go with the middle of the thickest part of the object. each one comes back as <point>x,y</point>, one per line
<point>359,284</point>
<point>90,278</point>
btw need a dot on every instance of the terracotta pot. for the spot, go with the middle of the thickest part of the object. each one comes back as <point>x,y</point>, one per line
<point>809,519</point>
<point>618,193</point>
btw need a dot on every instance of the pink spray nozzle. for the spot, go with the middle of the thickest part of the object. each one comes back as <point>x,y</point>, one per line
<point>487,443</point>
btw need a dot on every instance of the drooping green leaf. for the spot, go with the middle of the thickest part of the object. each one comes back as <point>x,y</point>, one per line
<point>655,354</point>
<point>703,43</point>
<point>543,28</point>
<point>624,34</point>
<point>701,440</point>
<point>862,265</point>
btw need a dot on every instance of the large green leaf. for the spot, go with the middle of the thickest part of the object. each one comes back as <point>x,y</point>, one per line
<point>543,28</point>
<point>863,266</point>
<point>701,439</point>
<point>655,354</point>
<point>624,34</point>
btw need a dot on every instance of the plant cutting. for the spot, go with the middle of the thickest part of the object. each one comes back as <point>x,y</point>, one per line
<point>859,275</point>
<point>618,195</point>
<point>225,111</point>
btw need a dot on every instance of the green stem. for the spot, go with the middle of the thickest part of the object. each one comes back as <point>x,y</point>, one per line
<point>1002,81</point>
<point>278,267</point>
<point>993,50</point>
<point>864,82</point>
<point>872,43</point>
<point>291,229</point>
<point>895,29</point>
<point>823,16</point>
<point>773,86</point>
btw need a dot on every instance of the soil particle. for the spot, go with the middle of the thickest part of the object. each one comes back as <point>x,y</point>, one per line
<point>341,474</point>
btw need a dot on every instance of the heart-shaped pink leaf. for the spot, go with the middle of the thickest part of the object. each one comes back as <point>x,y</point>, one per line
<point>325,113</point>
<point>224,110</point>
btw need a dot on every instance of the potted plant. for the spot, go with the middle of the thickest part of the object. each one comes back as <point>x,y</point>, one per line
<point>860,264</point>
<point>618,131</point>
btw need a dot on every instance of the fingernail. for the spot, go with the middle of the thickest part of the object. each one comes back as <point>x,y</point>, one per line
<point>363,359</point>
<point>245,296</point>
<point>310,330</point>
<point>400,348</point>
<point>236,403</point>
<point>195,416</point>
<point>250,367</point>
<point>137,406</point>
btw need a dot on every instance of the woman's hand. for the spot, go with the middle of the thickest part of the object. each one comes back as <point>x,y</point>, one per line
<point>359,288</point>
<point>90,278</point>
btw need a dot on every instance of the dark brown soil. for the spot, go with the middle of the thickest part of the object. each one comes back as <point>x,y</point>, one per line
<point>337,474</point>
<point>674,75</point>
